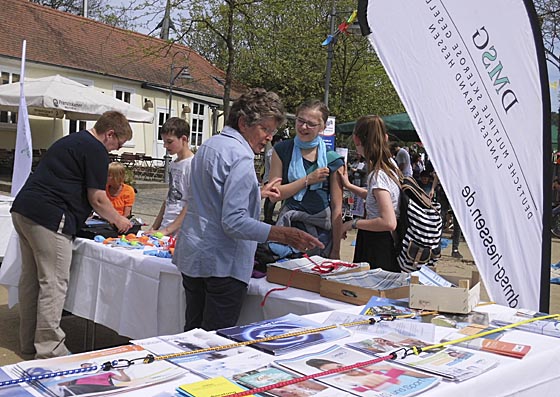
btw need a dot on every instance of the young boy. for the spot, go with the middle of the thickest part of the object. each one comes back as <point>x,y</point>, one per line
<point>175,134</point>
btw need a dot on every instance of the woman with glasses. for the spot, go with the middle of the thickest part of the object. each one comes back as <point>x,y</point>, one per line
<point>311,188</point>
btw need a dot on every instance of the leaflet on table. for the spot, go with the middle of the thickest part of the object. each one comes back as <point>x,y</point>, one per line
<point>214,387</point>
<point>550,327</point>
<point>289,323</point>
<point>376,380</point>
<point>265,376</point>
<point>19,390</point>
<point>423,331</point>
<point>490,343</point>
<point>378,305</point>
<point>96,382</point>
<point>208,365</point>
<point>309,265</point>
<point>427,276</point>
<point>453,364</point>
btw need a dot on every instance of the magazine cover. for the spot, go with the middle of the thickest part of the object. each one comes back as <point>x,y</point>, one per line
<point>450,363</point>
<point>15,390</point>
<point>214,387</point>
<point>377,380</point>
<point>265,376</point>
<point>99,382</point>
<point>282,325</point>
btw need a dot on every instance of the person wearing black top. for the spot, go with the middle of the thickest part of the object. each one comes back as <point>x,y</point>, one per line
<point>47,212</point>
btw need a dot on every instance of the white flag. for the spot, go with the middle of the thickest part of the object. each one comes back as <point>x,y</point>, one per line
<point>473,81</point>
<point>23,155</point>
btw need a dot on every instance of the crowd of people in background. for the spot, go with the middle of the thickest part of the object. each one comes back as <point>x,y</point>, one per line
<point>213,206</point>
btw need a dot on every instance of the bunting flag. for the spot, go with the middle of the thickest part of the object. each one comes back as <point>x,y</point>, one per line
<point>342,28</point>
<point>473,79</point>
<point>23,154</point>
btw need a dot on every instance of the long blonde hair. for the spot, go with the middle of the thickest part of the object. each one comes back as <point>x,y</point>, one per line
<point>371,132</point>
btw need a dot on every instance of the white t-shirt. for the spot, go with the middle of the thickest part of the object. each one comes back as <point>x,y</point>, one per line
<point>179,179</point>
<point>381,180</point>
<point>403,157</point>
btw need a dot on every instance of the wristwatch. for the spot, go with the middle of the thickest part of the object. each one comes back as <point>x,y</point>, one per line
<point>355,223</point>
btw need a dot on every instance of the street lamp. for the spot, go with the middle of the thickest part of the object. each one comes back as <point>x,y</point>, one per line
<point>173,76</point>
<point>330,54</point>
<point>331,41</point>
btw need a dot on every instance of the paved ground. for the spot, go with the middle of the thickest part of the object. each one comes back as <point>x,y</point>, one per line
<point>148,202</point>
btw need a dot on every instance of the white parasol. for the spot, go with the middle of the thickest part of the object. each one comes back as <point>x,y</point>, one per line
<point>57,96</point>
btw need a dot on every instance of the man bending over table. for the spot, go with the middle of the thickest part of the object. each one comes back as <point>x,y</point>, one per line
<point>47,212</point>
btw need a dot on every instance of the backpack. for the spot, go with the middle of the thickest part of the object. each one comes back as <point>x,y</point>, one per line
<point>419,228</point>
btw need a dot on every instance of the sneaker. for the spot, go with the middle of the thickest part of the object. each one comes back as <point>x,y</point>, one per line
<point>456,254</point>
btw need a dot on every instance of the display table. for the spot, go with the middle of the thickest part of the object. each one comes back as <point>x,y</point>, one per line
<point>139,296</point>
<point>6,226</point>
<point>535,375</point>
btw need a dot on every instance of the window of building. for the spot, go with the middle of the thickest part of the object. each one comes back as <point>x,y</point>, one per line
<point>123,95</point>
<point>76,125</point>
<point>8,78</point>
<point>198,119</point>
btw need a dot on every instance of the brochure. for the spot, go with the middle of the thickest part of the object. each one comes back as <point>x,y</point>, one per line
<point>97,382</point>
<point>265,376</point>
<point>549,327</point>
<point>423,331</point>
<point>377,380</point>
<point>208,365</point>
<point>453,364</point>
<point>286,324</point>
<point>377,305</point>
<point>214,387</point>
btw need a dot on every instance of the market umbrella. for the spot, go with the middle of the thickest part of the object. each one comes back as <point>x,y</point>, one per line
<point>57,96</point>
<point>398,125</point>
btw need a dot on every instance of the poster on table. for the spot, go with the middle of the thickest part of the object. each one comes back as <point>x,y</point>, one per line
<point>470,75</point>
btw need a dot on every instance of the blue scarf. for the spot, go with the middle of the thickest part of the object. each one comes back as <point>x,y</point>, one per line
<point>296,169</point>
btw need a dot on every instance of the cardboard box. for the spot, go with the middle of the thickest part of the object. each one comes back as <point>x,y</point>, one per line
<point>300,273</point>
<point>358,288</point>
<point>461,299</point>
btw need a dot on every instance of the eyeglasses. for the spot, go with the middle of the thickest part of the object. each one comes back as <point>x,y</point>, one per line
<point>268,131</point>
<point>309,124</point>
<point>119,142</point>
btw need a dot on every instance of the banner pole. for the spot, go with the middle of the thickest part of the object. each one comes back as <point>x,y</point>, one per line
<point>544,302</point>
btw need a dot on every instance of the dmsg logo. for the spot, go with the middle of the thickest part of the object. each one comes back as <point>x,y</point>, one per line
<point>481,40</point>
<point>55,102</point>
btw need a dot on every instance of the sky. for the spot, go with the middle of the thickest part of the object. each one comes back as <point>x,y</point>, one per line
<point>553,75</point>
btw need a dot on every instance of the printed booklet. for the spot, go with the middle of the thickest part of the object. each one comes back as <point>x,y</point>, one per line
<point>383,379</point>
<point>450,363</point>
<point>214,387</point>
<point>208,365</point>
<point>265,376</point>
<point>283,325</point>
<point>97,382</point>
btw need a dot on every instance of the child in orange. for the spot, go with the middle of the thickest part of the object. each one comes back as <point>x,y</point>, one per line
<point>121,195</point>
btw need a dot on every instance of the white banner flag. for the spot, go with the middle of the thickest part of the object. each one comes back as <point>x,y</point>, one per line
<point>23,155</point>
<point>470,74</point>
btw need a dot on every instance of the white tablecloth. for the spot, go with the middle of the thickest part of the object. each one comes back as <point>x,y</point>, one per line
<point>141,296</point>
<point>536,374</point>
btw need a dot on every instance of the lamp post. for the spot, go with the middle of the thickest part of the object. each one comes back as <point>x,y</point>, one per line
<point>172,78</point>
<point>330,55</point>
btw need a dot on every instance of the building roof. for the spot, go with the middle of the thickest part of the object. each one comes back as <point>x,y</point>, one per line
<point>66,40</point>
